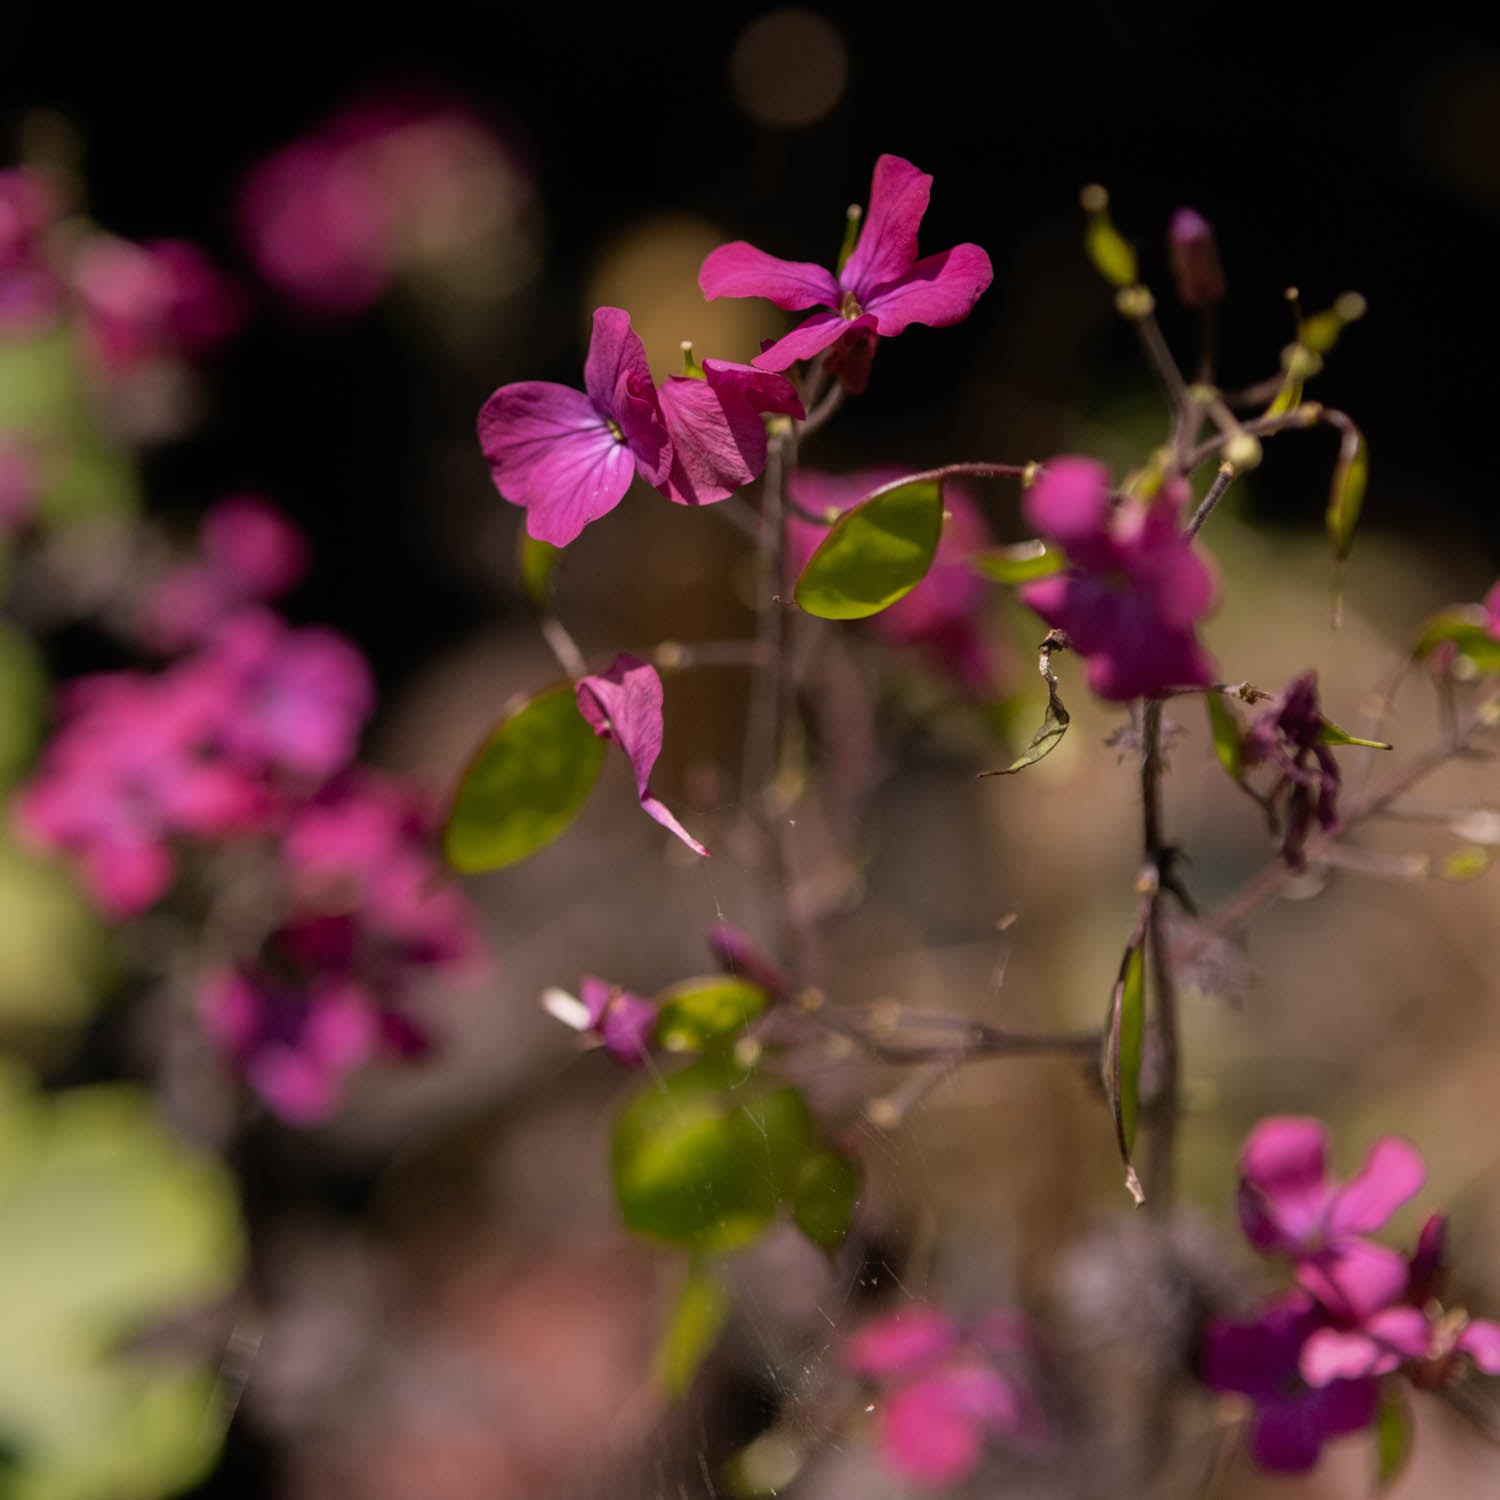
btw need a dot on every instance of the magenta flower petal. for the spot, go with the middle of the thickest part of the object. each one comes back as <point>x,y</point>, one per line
<point>936,292</point>
<point>1393,1173</point>
<point>550,451</point>
<point>887,244</point>
<point>1284,1171</point>
<point>1387,1340</point>
<point>740,270</point>
<point>1354,1279</point>
<point>902,1343</point>
<point>737,953</point>
<point>809,339</point>
<point>1070,503</point>
<point>623,1021</point>
<point>1492,611</point>
<point>929,1437</point>
<point>1480,1340</point>
<point>615,352</point>
<point>254,543</point>
<point>1428,1261</point>
<point>638,411</point>
<point>624,704</point>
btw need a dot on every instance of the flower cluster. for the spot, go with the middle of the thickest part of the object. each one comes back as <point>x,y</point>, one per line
<point>1136,586</point>
<point>948,1388</point>
<point>248,741</point>
<point>1311,1358</point>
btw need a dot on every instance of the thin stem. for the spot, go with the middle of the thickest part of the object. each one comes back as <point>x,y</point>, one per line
<point>1148,330</point>
<point>1222,480</point>
<point>1307,415</point>
<point>877,1039</point>
<point>824,411</point>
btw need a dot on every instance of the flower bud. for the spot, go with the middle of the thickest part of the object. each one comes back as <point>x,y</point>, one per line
<point>1197,271</point>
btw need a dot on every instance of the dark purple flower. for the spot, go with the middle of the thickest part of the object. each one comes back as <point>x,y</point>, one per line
<point>1260,1359</point>
<point>880,290</point>
<point>622,1020</point>
<point>1287,735</point>
<point>1196,268</point>
<point>737,954</point>
<point>1136,588</point>
<point>569,456</point>
<point>623,703</point>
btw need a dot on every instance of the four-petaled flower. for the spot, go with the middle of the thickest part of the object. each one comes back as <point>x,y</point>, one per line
<point>880,289</point>
<point>1136,586</point>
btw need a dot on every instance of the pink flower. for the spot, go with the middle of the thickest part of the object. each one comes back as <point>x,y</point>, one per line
<point>623,704</point>
<point>31,293</point>
<point>1287,735</point>
<point>569,456</point>
<point>1260,1359</point>
<point>1136,587</point>
<point>945,1395</point>
<point>737,954</point>
<point>1492,611</point>
<point>880,290</point>
<point>623,1021</point>
<point>940,615</point>
<point>1196,267</point>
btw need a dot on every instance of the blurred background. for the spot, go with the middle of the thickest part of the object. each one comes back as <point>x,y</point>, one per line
<point>438,1300</point>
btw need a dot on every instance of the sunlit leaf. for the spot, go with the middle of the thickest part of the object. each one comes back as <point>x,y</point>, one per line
<point>1331,734</point>
<point>825,1192</point>
<point>1228,737</point>
<point>1047,738</point>
<point>690,1163</point>
<point>537,562</point>
<point>1466,628</point>
<point>1393,1434</point>
<point>697,1319</point>
<point>1346,496</point>
<point>874,554</point>
<point>527,783</point>
<point>699,1015</point>
<point>1019,563</point>
<point>1121,1061</point>
<point>785,1129</point>
<point>107,1227</point>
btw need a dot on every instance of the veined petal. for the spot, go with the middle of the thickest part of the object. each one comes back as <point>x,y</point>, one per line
<point>615,350</point>
<point>937,291</point>
<point>740,270</point>
<point>639,413</point>
<point>1354,1280</point>
<point>1393,1172</point>
<point>1480,1340</point>
<point>810,337</point>
<point>624,703</point>
<point>888,238</point>
<point>550,451</point>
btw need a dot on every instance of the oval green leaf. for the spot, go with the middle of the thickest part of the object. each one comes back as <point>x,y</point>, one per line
<point>701,1015</point>
<point>1346,496</point>
<point>528,781</point>
<point>1121,1062</point>
<point>875,554</point>
<point>1020,563</point>
<point>1228,740</point>
<point>825,1193</point>
<point>1466,628</point>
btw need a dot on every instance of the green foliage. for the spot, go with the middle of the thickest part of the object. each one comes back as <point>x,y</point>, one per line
<point>697,1319</point>
<point>1466,628</point>
<point>703,1015</point>
<point>1047,738</point>
<point>824,1194</point>
<point>1121,1063</point>
<point>107,1227</point>
<point>537,563</point>
<point>1020,563</point>
<point>527,783</point>
<point>1228,741</point>
<point>1393,1434</point>
<point>875,554</point>
<point>1346,496</point>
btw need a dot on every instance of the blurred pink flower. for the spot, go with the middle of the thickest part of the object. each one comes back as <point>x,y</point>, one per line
<point>1492,610</point>
<point>1194,257</point>
<point>880,290</point>
<point>31,293</point>
<point>623,1021</point>
<point>1136,587</point>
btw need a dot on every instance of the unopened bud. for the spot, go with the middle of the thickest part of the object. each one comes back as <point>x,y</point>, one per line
<point>1243,451</point>
<point>1197,270</point>
<point>690,366</point>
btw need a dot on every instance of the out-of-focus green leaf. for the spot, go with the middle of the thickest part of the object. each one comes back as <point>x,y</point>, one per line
<point>875,553</point>
<point>1465,864</point>
<point>107,1226</point>
<point>23,701</point>
<point>697,1320</point>
<point>538,562</point>
<point>42,392</point>
<point>1331,734</point>
<point>1020,563</point>
<point>1228,739</point>
<point>1466,628</point>
<point>89,480</point>
<point>1121,1061</point>
<point>1346,496</point>
<point>526,784</point>
<point>825,1192</point>
<point>1111,253</point>
<point>784,1127</point>
<point>1047,738</point>
<point>1393,1434</point>
<point>690,1163</point>
<point>699,1015</point>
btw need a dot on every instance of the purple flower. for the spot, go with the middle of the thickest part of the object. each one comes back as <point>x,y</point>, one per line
<point>623,704</point>
<point>1136,587</point>
<point>623,1021</point>
<point>1287,735</point>
<point>945,1394</point>
<point>1260,1359</point>
<point>1492,611</point>
<point>940,615</point>
<point>569,456</point>
<point>1196,268</point>
<point>881,289</point>
<point>738,955</point>
<point>718,438</point>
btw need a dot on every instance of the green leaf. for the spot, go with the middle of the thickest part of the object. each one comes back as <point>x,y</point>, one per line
<point>1465,864</point>
<point>537,562</point>
<point>527,782</point>
<point>784,1127</point>
<point>1228,739</point>
<point>1331,734</point>
<point>23,701</point>
<point>690,1163</point>
<point>1346,496</point>
<point>108,1226</point>
<point>700,1015</point>
<point>874,554</point>
<point>1466,628</point>
<point>1111,253</point>
<point>825,1192</point>
<point>1393,1434</point>
<point>697,1320</point>
<point>1054,726</point>
<point>1020,563</point>
<point>1121,1061</point>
